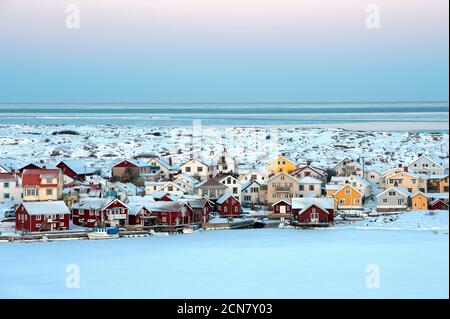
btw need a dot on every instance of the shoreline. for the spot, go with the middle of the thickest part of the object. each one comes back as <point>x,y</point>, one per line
<point>441,127</point>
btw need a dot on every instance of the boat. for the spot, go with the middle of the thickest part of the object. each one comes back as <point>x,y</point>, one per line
<point>188,229</point>
<point>153,233</point>
<point>103,233</point>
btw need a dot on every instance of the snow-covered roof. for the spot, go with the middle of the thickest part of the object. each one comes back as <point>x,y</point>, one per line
<point>165,206</point>
<point>438,176</point>
<point>223,198</point>
<point>164,162</point>
<point>430,158</point>
<point>332,187</point>
<point>129,188</point>
<point>190,178</point>
<point>92,203</point>
<point>309,180</point>
<point>438,195</point>
<point>78,166</point>
<point>397,189</point>
<point>323,202</point>
<point>338,179</point>
<point>284,200</point>
<point>140,199</point>
<point>50,207</point>
<point>317,204</point>
<point>247,184</point>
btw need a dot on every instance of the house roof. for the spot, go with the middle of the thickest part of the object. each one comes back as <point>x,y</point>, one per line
<point>438,195</point>
<point>248,184</point>
<point>195,160</point>
<point>434,201</point>
<point>309,180</point>
<point>211,183</point>
<point>7,177</point>
<point>332,187</point>
<point>128,188</point>
<point>419,193</point>
<point>164,162</point>
<point>78,166</point>
<point>224,197</point>
<point>318,204</point>
<point>190,178</point>
<point>400,190</point>
<point>199,203</point>
<point>285,200</point>
<point>135,162</point>
<point>434,160</point>
<point>6,165</point>
<point>348,185</point>
<point>339,179</point>
<point>165,206</point>
<point>140,199</point>
<point>33,176</point>
<point>92,203</point>
<point>318,170</point>
<point>323,202</point>
<point>42,208</point>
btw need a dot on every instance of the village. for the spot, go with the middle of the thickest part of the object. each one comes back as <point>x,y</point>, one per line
<point>151,196</point>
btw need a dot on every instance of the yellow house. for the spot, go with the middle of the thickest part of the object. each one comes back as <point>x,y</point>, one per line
<point>443,185</point>
<point>348,197</point>
<point>410,182</point>
<point>419,201</point>
<point>281,164</point>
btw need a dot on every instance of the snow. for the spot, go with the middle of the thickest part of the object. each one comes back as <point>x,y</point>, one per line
<point>101,146</point>
<point>309,180</point>
<point>252,263</point>
<point>49,207</point>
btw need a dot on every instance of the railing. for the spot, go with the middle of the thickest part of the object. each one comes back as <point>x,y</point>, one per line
<point>282,189</point>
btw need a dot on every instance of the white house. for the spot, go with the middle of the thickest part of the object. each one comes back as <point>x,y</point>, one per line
<point>393,199</point>
<point>254,175</point>
<point>224,164</point>
<point>163,187</point>
<point>162,167</point>
<point>232,183</point>
<point>10,187</point>
<point>309,187</point>
<point>426,165</point>
<point>373,176</point>
<point>250,193</point>
<point>195,168</point>
<point>187,182</point>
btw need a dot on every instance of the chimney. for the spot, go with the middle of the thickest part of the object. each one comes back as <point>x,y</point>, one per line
<point>308,162</point>
<point>41,161</point>
<point>405,169</point>
<point>400,165</point>
<point>420,154</point>
<point>282,154</point>
<point>170,161</point>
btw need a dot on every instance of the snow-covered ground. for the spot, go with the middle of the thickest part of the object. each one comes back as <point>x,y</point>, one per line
<point>348,261</point>
<point>102,145</point>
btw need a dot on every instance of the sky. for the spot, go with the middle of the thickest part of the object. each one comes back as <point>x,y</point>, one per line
<point>226,51</point>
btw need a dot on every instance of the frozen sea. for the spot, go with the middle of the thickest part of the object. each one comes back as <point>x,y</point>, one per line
<point>340,262</point>
<point>324,114</point>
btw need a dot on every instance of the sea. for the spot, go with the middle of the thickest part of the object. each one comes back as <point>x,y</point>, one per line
<point>215,114</point>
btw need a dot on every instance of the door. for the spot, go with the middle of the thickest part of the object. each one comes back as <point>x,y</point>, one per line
<point>282,209</point>
<point>314,217</point>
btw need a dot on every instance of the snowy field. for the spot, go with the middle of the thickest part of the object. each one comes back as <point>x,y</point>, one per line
<point>409,255</point>
<point>102,145</point>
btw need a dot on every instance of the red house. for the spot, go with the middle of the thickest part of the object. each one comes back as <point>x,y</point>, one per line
<point>201,208</point>
<point>171,213</point>
<point>130,165</point>
<point>228,205</point>
<point>438,204</point>
<point>314,214</point>
<point>282,207</point>
<point>140,215</point>
<point>42,216</point>
<point>313,210</point>
<point>99,212</point>
<point>76,170</point>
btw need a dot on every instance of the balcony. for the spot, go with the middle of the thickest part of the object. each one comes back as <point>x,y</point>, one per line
<point>282,189</point>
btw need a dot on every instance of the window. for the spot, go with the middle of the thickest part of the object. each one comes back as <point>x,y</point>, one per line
<point>170,188</point>
<point>311,187</point>
<point>6,184</point>
<point>282,177</point>
<point>342,201</point>
<point>356,201</point>
<point>225,209</point>
<point>391,193</point>
<point>200,169</point>
<point>38,217</point>
<point>6,196</point>
<point>235,190</point>
<point>385,200</point>
<point>49,181</point>
<point>188,169</point>
<point>49,191</point>
<point>347,191</point>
